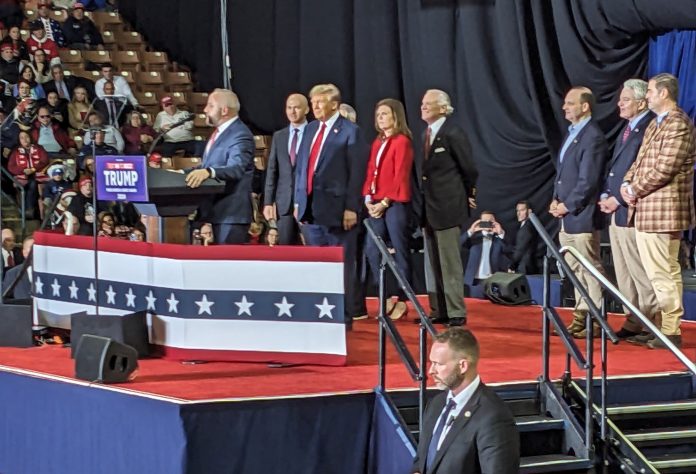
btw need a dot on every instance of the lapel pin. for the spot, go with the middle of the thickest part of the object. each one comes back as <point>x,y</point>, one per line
<point>335,130</point>
<point>467,414</point>
<point>575,141</point>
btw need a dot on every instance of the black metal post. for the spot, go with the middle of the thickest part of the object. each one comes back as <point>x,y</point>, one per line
<point>422,383</point>
<point>380,317</point>
<point>545,327</point>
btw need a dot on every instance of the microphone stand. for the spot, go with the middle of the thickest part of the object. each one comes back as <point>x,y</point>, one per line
<point>95,236</point>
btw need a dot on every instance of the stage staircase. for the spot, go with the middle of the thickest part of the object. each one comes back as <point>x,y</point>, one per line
<point>550,438</point>
<point>651,422</point>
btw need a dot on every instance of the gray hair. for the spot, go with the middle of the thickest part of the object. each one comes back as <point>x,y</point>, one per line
<point>228,99</point>
<point>638,86</point>
<point>443,100</point>
<point>348,112</point>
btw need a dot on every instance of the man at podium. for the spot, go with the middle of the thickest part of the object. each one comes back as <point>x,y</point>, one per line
<point>228,157</point>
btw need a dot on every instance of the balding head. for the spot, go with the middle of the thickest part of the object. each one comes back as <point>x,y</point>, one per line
<point>8,239</point>
<point>578,104</point>
<point>296,109</point>
<point>223,105</point>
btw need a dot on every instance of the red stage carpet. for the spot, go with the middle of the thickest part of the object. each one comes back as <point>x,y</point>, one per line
<point>510,339</point>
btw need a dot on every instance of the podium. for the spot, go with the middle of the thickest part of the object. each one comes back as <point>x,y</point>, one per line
<point>171,202</point>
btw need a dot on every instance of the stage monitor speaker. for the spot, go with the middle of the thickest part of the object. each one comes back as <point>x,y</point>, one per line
<point>129,329</point>
<point>508,289</point>
<point>16,324</point>
<point>100,359</point>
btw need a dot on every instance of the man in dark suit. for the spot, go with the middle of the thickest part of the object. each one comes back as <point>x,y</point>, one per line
<point>65,85</point>
<point>576,190</point>
<point>113,109</point>
<point>486,248</point>
<point>631,278</point>
<point>280,174</point>
<point>11,255</point>
<point>22,289</point>
<point>524,255</point>
<point>468,429</point>
<point>228,157</point>
<point>329,175</point>
<point>442,197</point>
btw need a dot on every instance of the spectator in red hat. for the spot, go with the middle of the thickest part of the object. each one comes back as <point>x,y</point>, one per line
<point>154,160</point>
<point>176,137</point>
<point>39,40</point>
<point>27,163</point>
<point>80,31</point>
<point>9,64</point>
<point>81,209</point>
<point>52,27</point>
<point>137,135</point>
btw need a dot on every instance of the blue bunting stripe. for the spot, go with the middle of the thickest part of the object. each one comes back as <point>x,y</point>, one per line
<point>193,304</point>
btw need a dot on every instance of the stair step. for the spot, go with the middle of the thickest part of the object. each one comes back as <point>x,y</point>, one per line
<point>652,408</point>
<point>673,461</point>
<point>538,423</point>
<point>660,434</point>
<point>552,463</point>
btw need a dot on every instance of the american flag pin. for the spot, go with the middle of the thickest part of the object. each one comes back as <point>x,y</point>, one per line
<point>335,130</point>
<point>467,414</point>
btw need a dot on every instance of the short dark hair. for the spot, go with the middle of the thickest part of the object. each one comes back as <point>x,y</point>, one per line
<point>526,203</point>
<point>486,211</point>
<point>460,340</point>
<point>109,65</point>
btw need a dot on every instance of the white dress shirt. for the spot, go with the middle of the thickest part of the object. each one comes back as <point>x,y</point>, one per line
<point>461,400</point>
<point>329,126</point>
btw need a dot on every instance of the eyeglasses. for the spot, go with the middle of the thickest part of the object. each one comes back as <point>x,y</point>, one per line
<point>44,116</point>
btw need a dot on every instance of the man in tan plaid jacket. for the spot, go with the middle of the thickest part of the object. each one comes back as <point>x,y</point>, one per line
<point>659,190</point>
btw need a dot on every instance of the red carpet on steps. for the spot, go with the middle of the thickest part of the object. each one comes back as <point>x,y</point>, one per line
<point>510,339</point>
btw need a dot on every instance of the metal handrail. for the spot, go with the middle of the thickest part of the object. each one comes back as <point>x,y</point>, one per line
<point>626,303</point>
<point>22,192</point>
<point>387,326</point>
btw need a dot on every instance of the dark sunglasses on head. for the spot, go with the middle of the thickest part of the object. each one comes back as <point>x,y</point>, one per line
<point>44,116</point>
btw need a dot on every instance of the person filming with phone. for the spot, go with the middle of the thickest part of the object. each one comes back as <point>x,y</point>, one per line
<point>485,246</point>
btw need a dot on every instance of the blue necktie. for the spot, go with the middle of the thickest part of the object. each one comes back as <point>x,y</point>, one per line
<point>432,447</point>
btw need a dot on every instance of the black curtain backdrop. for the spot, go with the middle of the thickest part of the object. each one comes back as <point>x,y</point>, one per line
<point>506,64</point>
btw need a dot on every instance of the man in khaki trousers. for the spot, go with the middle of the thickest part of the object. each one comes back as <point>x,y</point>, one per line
<point>659,189</point>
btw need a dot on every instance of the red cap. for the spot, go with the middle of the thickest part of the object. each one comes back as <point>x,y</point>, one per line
<point>85,179</point>
<point>78,6</point>
<point>166,100</point>
<point>5,46</point>
<point>155,158</point>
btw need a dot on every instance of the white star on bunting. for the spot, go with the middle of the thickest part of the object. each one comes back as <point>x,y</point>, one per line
<point>204,305</point>
<point>284,307</point>
<point>92,293</point>
<point>173,304</point>
<point>325,308</point>
<point>73,290</point>
<point>150,300</point>
<point>38,286</point>
<point>110,295</point>
<point>56,287</point>
<point>130,297</point>
<point>244,306</point>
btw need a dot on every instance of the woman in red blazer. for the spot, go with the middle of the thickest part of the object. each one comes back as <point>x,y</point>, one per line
<point>27,163</point>
<point>387,192</point>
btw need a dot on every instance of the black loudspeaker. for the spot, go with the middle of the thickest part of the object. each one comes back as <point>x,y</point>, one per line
<point>508,289</point>
<point>100,359</point>
<point>16,325</point>
<point>130,329</point>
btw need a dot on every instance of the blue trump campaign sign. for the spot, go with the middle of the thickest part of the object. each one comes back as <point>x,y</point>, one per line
<point>121,178</point>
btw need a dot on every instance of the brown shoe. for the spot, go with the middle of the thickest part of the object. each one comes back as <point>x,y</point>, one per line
<point>596,332</point>
<point>658,344</point>
<point>576,326</point>
<point>398,311</point>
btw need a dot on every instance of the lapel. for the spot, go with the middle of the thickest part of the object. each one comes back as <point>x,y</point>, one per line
<point>219,139</point>
<point>650,134</point>
<point>331,138</point>
<point>573,144</point>
<point>437,141</point>
<point>283,138</point>
<point>459,424</point>
<point>634,135</point>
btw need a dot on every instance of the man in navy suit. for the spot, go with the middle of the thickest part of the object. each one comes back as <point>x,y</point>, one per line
<point>576,190</point>
<point>22,289</point>
<point>228,157</point>
<point>484,240</point>
<point>280,174</point>
<point>631,278</point>
<point>329,175</point>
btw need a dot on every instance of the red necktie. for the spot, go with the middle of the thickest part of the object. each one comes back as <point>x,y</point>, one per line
<point>313,157</point>
<point>293,145</point>
<point>426,145</point>
<point>626,133</point>
<point>211,141</point>
<point>10,260</point>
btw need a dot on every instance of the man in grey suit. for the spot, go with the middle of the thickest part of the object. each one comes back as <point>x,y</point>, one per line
<point>228,157</point>
<point>468,429</point>
<point>22,289</point>
<point>277,197</point>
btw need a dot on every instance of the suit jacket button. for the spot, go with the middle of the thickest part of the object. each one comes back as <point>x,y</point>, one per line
<point>425,178</point>
<point>611,174</point>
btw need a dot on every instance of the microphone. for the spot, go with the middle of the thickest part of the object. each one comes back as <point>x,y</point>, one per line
<point>188,118</point>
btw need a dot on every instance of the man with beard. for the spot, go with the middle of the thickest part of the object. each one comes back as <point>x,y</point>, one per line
<point>467,428</point>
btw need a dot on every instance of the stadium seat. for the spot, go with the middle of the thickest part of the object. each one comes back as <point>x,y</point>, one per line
<point>197,101</point>
<point>96,57</point>
<point>178,81</point>
<point>126,60</point>
<point>71,57</point>
<point>182,163</point>
<point>129,40</point>
<point>107,21</point>
<point>155,61</point>
<point>109,40</point>
<point>180,99</point>
<point>151,80</point>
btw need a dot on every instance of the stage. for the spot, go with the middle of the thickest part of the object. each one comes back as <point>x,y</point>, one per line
<point>230,417</point>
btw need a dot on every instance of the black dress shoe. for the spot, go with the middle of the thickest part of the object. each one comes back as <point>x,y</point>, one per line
<point>658,344</point>
<point>624,333</point>
<point>641,338</point>
<point>434,320</point>
<point>454,322</point>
